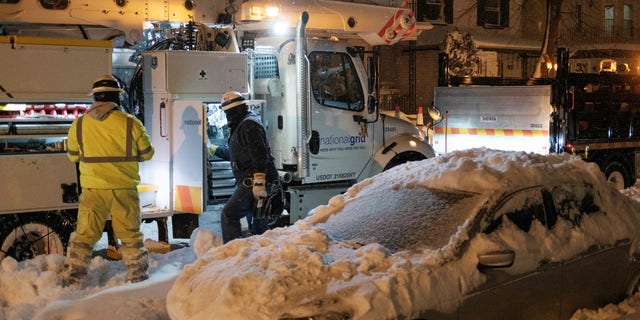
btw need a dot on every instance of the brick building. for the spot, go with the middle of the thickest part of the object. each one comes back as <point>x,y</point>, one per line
<point>510,36</point>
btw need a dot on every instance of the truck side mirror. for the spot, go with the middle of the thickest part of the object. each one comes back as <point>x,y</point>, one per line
<point>372,103</point>
<point>434,114</point>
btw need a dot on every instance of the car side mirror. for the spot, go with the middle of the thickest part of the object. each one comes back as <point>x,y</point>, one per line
<point>496,259</point>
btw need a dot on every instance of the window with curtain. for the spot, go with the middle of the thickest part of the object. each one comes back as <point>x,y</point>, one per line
<point>627,20</point>
<point>608,19</point>
<point>493,13</point>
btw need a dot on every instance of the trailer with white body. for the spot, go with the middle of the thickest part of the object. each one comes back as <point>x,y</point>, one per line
<point>497,117</point>
<point>40,186</point>
<point>593,115</point>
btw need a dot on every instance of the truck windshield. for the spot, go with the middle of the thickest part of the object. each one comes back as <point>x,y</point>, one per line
<point>334,81</point>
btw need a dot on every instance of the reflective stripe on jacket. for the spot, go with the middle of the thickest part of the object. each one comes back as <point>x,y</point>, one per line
<point>109,150</point>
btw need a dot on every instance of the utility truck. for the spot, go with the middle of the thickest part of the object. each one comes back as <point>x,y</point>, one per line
<point>593,115</point>
<point>307,68</point>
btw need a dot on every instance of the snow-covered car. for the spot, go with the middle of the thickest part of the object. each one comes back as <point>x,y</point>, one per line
<point>474,234</point>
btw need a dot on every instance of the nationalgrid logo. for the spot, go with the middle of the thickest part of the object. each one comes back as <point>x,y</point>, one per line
<point>342,140</point>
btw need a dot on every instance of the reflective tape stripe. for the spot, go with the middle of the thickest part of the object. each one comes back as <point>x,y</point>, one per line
<point>79,136</point>
<point>129,138</point>
<point>396,19</point>
<point>107,159</point>
<point>188,199</point>
<point>128,146</point>
<point>493,132</point>
<point>390,22</point>
<point>145,151</point>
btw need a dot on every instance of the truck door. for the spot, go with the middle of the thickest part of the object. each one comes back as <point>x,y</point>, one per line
<point>339,147</point>
<point>188,156</point>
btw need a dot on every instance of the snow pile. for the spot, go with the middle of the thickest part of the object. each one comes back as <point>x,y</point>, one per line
<point>626,310</point>
<point>300,271</point>
<point>33,289</point>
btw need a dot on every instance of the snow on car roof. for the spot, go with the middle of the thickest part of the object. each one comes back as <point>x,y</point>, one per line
<point>475,170</point>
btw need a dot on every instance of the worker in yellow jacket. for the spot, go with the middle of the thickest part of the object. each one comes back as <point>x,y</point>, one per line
<point>108,144</point>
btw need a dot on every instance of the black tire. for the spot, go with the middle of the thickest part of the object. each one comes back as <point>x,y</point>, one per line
<point>26,235</point>
<point>404,158</point>
<point>617,173</point>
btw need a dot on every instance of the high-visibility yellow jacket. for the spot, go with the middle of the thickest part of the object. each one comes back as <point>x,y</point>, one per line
<point>109,149</point>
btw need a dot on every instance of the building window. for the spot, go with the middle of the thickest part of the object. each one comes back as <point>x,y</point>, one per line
<point>627,20</point>
<point>435,11</point>
<point>608,19</point>
<point>578,17</point>
<point>493,13</point>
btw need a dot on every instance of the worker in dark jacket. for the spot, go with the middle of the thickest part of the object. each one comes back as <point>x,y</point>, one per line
<point>252,164</point>
<point>108,144</point>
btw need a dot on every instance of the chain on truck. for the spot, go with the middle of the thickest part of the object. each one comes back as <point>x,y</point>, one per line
<point>593,115</point>
<point>307,68</point>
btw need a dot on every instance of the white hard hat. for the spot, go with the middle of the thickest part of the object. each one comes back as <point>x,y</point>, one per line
<point>106,83</point>
<point>231,99</point>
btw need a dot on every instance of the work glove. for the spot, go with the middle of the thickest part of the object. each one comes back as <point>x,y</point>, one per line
<point>259,186</point>
<point>212,149</point>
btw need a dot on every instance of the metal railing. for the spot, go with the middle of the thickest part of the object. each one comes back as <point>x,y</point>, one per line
<point>608,34</point>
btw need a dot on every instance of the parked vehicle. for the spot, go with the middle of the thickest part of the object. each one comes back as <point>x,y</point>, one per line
<point>473,234</point>
<point>594,115</point>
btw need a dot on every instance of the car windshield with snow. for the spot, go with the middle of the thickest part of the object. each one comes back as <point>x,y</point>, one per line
<point>403,219</point>
<point>474,234</point>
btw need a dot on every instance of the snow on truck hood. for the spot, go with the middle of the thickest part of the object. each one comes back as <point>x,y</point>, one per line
<point>301,271</point>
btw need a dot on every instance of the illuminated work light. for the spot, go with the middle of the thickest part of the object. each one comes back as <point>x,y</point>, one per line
<point>272,11</point>
<point>260,11</point>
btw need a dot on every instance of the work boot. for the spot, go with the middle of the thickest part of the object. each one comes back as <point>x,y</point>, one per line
<point>75,263</point>
<point>135,279</point>
<point>137,265</point>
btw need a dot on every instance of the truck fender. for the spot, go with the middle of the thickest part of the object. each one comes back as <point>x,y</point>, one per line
<point>412,147</point>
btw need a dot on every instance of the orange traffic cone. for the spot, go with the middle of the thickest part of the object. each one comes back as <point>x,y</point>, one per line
<point>420,119</point>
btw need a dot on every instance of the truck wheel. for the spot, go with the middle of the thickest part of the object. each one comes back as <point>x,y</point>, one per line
<point>403,158</point>
<point>24,236</point>
<point>617,174</point>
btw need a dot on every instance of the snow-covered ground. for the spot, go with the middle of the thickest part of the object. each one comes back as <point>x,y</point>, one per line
<point>32,289</point>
